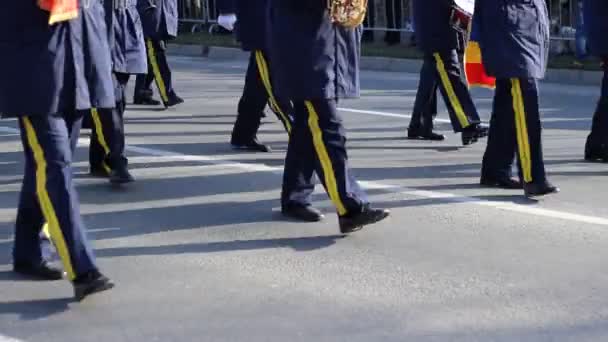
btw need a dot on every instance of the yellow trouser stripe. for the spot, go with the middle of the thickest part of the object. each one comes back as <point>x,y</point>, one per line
<point>449,89</point>
<point>328,170</point>
<point>521,130</point>
<point>45,202</point>
<point>162,89</point>
<point>265,75</point>
<point>100,136</point>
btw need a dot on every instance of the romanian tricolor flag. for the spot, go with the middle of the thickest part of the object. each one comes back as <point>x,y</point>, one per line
<point>59,10</point>
<point>473,64</point>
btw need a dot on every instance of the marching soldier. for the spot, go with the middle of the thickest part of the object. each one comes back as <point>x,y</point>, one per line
<point>596,25</point>
<point>441,42</point>
<point>259,92</point>
<point>514,41</point>
<point>160,26</point>
<point>316,62</point>
<point>107,149</point>
<point>45,85</point>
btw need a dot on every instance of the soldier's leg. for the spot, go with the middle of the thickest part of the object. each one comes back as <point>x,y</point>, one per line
<point>281,106</point>
<point>324,128</point>
<point>161,72</point>
<point>99,147</point>
<point>596,147</point>
<point>143,91</point>
<point>462,110</point>
<point>46,141</point>
<point>425,105</point>
<point>497,164</point>
<point>250,110</point>
<point>525,108</point>
<point>112,125</point>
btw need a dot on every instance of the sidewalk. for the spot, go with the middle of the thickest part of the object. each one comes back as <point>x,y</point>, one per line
<point>561,76</point>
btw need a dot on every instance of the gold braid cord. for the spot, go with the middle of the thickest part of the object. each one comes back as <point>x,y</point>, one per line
<point>347,13</point>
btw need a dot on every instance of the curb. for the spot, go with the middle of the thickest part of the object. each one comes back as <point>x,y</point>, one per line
<point>560,76</point>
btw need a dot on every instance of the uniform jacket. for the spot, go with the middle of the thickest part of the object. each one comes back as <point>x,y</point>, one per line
<point>161,22</point>
<point>251,15</point>
<point>514,37</point>
<point>310,56</point>
<point>126,36</point>
<point>596,25</point>
<point>52,69</point>
<point>432,25</point>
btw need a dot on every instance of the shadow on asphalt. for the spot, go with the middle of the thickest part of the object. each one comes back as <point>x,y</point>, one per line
<point>31,310</point>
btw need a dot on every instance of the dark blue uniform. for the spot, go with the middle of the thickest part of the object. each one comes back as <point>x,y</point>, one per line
<point>514,41</point>
<point>315,63</point>
<point>126,40</point>
<point>441,44</point>
<point>259,91</point>
<point>160,26</point>
<point>50,74</point>
<point>596,27</point>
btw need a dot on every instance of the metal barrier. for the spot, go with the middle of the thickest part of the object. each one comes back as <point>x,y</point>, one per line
<point>392,17</point>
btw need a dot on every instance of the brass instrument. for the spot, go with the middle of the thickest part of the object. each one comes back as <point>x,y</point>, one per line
<point>347,13</point>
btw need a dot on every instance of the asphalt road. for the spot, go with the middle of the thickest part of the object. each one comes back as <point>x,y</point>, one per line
<point>200,252</point>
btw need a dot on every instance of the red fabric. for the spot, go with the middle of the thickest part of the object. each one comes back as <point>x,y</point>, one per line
<point>477,77</point>
<point>59,10</point>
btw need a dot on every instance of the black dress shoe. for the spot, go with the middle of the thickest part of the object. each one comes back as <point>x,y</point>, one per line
<point>174,100</point>
<point>536,190</point>
<point>501,182</point>
<point>596,152</point>
<point>99,172</point>
<point>473,133</point>
<point>302,212</point>
<point>121,176</point>
<point>252,146</point>
<point>367,216</point>
<point>419,135</point>
<point>91,283</point>
<point>42,271</point>
<point>148,101</point>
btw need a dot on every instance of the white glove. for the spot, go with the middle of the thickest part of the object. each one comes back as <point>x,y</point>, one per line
<point>227,21</point>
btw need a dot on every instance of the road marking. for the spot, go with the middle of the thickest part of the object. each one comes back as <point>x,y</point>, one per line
<point>4,338</point>
<point>253,167</point>
<point>407,116</point>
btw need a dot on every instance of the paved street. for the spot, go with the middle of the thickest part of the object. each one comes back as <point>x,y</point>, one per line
<point>200,252</point>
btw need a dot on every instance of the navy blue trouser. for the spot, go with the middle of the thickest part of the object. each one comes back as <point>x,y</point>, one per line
<point>158,70</point>
<point>515,128</point>
<point>318,143</point>
<point>48,195</point>
<point>442,70</point>
<point>107,147</point>
<point>257,93</point>
<point>599,127</point>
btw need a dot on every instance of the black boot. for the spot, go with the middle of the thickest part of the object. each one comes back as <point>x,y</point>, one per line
<point>595,151</point>
<point>424,135</point>
<point>502,182</point>
<point>302,212</point>
<point>367,216</point>
<point>539,189</point>
<point>121,175</point>
<point>145,98</point>
<point>252,145</point>
<point>472,133</point>
<point>91,283</point>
